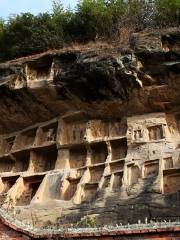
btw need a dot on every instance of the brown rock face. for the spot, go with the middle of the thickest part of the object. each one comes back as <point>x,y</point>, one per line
<point>92,132</point>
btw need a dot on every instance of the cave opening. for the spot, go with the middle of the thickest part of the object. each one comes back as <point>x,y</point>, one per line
<point>99,152</point>
<point>151,169</point>
<point>155,132</point>
<point>117,181</point>
<point>71,187</point>
<point>21,161</point>
<point>96,173</point>
<point>25,139</point>
<point>44,159</point>
<point>47,134</point>
<point>77,157</point>
<point>116,166</point>
<point>9,142</point>
<point>8,183</point>
<point>6,164</point>
<point>31,186</point>
<point>119,149</point>
<point>90,191</point>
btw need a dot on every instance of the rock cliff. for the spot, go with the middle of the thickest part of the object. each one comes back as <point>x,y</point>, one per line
<point>92,132</point>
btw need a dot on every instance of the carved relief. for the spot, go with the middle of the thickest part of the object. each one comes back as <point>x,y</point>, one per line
<point>156,132</point>
<point>92,157</point>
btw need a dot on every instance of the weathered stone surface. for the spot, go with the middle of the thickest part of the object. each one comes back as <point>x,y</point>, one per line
<point>92,132</point>
<point>10,234</point>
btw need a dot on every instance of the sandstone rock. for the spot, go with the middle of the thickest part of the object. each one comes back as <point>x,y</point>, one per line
<point>92,132</point>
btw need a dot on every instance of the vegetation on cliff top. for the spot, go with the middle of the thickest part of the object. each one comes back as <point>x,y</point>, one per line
<point>26,34</point>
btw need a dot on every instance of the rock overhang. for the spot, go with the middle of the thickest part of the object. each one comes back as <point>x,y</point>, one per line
<point>111,140</point>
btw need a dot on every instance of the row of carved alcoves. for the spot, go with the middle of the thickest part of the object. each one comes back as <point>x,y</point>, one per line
<point>95,150</point>
<point>84,184</point>
<point>61,144</point>
<point>91,148</point>
<point>49,157</point>
<point>31,138</point>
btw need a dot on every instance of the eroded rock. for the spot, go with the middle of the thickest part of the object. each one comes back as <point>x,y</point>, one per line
<point>92,133</point>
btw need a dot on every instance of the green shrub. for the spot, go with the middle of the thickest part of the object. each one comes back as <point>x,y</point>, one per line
<point>26,34</point>
<point>87,222</point>
<point>167,12</point>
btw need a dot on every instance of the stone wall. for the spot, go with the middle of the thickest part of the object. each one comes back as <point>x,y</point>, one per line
<point>140,161</point>
<point>92,132</point>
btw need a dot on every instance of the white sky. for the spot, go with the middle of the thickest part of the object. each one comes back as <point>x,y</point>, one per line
<point>8,7</point>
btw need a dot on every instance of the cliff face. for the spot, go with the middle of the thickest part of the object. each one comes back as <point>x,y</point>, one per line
<point>92,132</point>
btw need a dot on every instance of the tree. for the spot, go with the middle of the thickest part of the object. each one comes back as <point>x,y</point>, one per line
<point>167,12</point>
<point>1,39</point>
<point>1,25</point>
<point>26,34</point>
<point>139,13</point>
<point>61,19</point>
<point>91,18</point>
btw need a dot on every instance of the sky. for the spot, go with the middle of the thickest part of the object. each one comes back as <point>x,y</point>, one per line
<point>8,7</point>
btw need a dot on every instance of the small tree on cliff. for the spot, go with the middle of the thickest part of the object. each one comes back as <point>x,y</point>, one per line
<point>61,19</point>
<point>167,12</point>
<point>26,34</point>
